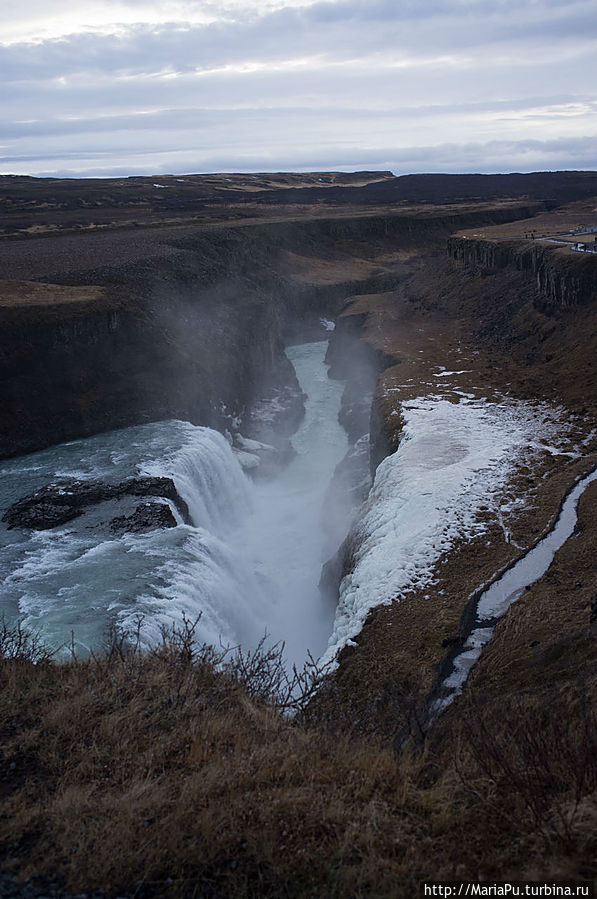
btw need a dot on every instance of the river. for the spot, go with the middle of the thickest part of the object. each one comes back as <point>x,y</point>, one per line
<point>249,564</point>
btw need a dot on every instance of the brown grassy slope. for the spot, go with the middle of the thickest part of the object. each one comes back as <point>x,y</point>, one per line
<point>530,709</point>
<point>154,774</point>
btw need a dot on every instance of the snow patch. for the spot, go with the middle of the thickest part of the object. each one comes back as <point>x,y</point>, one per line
<point>454,458</point>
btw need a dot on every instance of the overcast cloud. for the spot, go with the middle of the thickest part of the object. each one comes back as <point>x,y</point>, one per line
<point>136,87</point>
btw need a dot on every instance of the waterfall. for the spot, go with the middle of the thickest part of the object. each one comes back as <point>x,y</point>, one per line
<point>80,577</point>
<point>210,577</point>
<point>207,476</point>
<point>249,564</point>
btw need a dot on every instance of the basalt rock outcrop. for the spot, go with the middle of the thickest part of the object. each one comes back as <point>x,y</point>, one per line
<point>562,279</point>
<point>56,504</point>
<point>72,369</point>
<point>146,517</point>
<point>353,359</point>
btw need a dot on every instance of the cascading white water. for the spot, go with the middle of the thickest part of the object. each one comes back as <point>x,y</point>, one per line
<point>208,478</point>
<point>285,535</point>
<point>201,569</point>
<point>249,563</point>
<point>79,577</point>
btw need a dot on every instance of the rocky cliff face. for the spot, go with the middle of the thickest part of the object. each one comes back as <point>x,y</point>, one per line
<point>562,279</point>
<point>187,324</point>
<point>355,360</point>
<point>112,364</point>
<point>53,362</point>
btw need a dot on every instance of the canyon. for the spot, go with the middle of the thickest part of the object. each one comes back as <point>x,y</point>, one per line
<point>461,340</point>
<point>185,315</point>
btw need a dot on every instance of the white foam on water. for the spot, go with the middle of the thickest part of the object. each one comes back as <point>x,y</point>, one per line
<point>207,475</point>
<point>285,535</point>
<point>79,577</point>
<point>249,564</point>
<point>204,575</point>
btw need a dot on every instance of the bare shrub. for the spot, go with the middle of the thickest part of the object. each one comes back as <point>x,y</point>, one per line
<point>262,673</point>
<point>266,678</point>
<point>22,644</point>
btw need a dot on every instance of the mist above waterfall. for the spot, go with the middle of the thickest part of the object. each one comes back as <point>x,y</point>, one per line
<point>249,565</point>
<point>286,533</point>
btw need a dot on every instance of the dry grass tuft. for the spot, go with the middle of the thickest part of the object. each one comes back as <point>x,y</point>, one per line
<point>175,773</point>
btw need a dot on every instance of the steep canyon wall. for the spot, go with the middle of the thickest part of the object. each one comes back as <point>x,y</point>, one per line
<point>187,323</point>
<point>563,279</point>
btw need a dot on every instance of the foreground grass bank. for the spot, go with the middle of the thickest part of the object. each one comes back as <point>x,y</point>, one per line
<point>159,774</point>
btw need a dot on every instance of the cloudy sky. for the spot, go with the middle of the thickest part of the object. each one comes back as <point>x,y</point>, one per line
<point>115,87</point>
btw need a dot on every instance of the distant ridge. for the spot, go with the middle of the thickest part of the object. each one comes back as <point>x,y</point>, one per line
<point>561,187</point>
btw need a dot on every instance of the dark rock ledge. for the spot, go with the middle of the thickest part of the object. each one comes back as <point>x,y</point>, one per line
<point>146,517</point>
<point>59,503</point>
